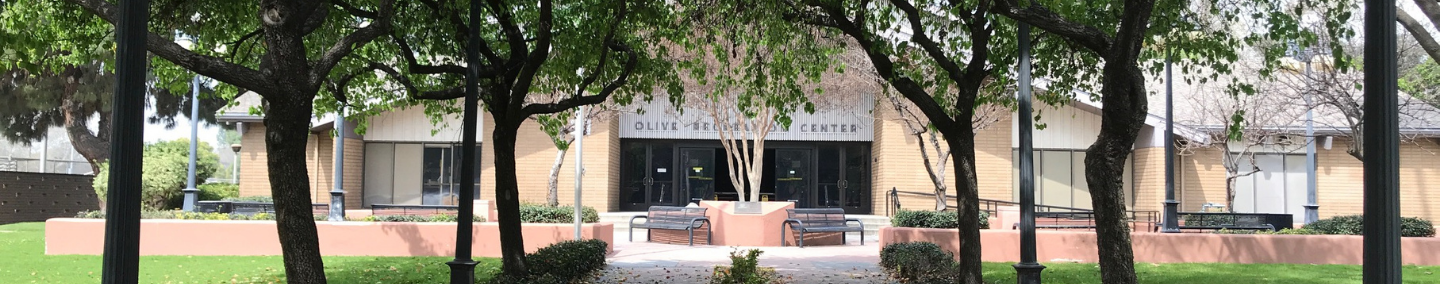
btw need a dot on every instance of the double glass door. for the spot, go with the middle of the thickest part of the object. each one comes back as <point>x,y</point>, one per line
<point>843,178</point>
<point>648,176</point>
<point>819,175</point>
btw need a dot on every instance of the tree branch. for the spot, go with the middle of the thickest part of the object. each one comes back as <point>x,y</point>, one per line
<point>355,11</point>
<point>378,27</point>
<point>1427,42</point>
<point>415,93</point>
<point>630,63</point>
<point>1088,36</point>
<point>210,66</point>
<point>415,67</point>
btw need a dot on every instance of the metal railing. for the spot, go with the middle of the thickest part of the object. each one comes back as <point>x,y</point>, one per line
<point>250,208</point>
<point>406,209</point>
<point>1046,216</point>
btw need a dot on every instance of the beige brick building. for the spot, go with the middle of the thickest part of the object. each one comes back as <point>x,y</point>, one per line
<point>634,160</point>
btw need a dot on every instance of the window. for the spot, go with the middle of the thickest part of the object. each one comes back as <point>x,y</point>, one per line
<point>441,178</point>
<point>1060,179</point>
<point>1279,186</point>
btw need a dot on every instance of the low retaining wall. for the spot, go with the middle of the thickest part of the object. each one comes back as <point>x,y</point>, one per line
<point>1069,246</point>
<point>193,237</point>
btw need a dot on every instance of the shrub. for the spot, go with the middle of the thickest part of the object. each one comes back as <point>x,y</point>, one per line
<point>182,215</point>
<point>934,219</point>
<point>1300,231</point>
<point>537,213</point>
<point>218,191</point>
<point>744,269</point>
<point>567,261</point>
<point>164,172</point>
<point>1354,225</point>
<point>257,198</point>
<point>918,262</point>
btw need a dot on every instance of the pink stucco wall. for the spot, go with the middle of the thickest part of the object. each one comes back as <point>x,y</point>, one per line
<point>191,237</point>
<point>747,229</point>
<point>1071,246</point>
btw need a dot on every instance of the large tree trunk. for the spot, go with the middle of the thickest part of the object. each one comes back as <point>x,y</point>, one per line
<point>968,202</point>
<point>553,198</point>
<point>507,195</point>
<point>95,148</point>
<point>1121,118</point>
<point>287,127</point>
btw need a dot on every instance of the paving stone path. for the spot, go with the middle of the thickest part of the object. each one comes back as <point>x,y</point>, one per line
<point>641,262</point>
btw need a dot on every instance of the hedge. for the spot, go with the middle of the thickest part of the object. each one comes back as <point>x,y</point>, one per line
<point>933,219</point>
<point>918,262</point>
<point>539,213</point>
<point>563,262</point>
<point>1354,224</point>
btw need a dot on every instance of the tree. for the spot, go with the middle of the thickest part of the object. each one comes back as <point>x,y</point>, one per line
<point>611,40</point>
<point>742,134</point>
<point>562,129</point>
<point>1430,9</point>
<point>35,99</point>
<point>1208,36</point>
<point>1335,96</point>
<point>1251,123</point>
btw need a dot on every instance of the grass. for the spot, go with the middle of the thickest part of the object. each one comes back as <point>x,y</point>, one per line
<point>1182,273</point>
<point>23,260</point>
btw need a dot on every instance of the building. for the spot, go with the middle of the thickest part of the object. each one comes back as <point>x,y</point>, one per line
<point>849,157</point>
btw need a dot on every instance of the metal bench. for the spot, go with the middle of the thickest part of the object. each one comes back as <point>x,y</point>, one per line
<point>672,218</point>
<point>819,220</point>
<point>414,210</point>
<point>1232,221</point>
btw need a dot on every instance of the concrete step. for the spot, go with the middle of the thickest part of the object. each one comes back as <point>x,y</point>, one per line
<point>872,222</point>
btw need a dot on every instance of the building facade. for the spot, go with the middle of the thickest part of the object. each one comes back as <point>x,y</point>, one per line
<point>850,158</point>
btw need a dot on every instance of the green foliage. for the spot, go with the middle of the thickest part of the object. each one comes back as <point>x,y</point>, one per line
<point>182,215</point>
<point>538,213</point>
<point>918,262</point>
<point>164,173</point>
<point>933,219</point>
<point>568,261</point>
<point>744,269</point>
<point>1354,225</point>
<point>1300,231</point>
<point>415,218</point>
<point>218,191</point>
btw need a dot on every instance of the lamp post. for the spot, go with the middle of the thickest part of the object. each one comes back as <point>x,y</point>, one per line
<point>121,261</point>
<point>1028,269</point>
<point>1382,147</point>
<point>579,166</point>
<point>1171,221</point>
<point>462,268</point>
<point>1312,208</point>
<point>235,164</point>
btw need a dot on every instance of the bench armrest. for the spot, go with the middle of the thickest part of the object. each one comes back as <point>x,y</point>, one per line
<point>857,221</point>
<point>632,219</point>
<point>702,220</point>
<point>797,222</point>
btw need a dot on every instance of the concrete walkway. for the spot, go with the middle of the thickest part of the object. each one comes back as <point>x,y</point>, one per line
<point>642,262</point>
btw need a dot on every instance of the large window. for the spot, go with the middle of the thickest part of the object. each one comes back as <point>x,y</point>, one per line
<point>415,173</point>
<point>1278,187</point>
<point>441,182</point>
<point>1060,179</point>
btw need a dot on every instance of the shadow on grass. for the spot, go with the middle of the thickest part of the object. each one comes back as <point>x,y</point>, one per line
<point>399,269</point>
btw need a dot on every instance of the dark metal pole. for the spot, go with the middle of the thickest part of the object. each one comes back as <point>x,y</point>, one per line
<point>1028,269</point>
<point>462,269</point>
<point>1382,145</point>
<point>337,194</point>
<point>121,262</point>
<point>191,193</point>
<point>1171,222</point>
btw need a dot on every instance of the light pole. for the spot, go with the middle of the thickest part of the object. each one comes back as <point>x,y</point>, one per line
<point>1028,269</point>
<point>1312,208</point>
<point>121,261</point>
<point>1171,206</point>
<point>579,165</point>
<point>191,193</point>
<point>462,268</point>
<point>1382,147</point>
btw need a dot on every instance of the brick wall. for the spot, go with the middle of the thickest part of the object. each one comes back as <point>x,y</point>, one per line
<point>1149,179</point>
<point>319,162</point>
<point>34,197</point>
<point>897,163</point>
<point>535,153</point>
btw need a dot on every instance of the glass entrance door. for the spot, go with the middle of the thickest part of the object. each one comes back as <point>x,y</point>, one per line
<point>793,176</point>
<point>699,177</point>
<point>648,176</point>
<point>843,178</point>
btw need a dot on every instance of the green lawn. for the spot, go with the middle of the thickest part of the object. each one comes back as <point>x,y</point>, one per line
<point>23,260</point>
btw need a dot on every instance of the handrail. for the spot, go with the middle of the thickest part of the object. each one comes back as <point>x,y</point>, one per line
<point>992,206</point>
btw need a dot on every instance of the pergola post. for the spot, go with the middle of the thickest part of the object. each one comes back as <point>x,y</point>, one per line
<point>1382,146</point>
<point>121,262</point>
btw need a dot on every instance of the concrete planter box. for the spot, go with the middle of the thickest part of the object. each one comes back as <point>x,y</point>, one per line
<point>195,237</point>
<point>1070,246</point>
